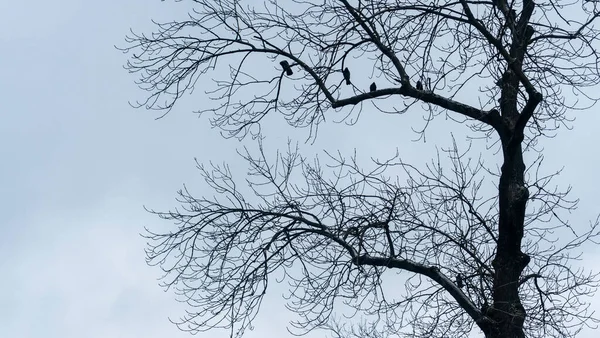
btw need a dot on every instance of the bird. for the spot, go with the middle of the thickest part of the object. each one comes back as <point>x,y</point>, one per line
<point>346,73</point>
<point>459,281</point>
<point>419,85</point>
<point>529,30</point>
<point>373,87</point>
<point>286,67</point>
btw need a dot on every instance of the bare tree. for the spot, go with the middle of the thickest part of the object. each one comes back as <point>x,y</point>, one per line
<point>477,253</point>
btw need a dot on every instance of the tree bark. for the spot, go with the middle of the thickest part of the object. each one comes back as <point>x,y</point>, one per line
<point>507,312</point>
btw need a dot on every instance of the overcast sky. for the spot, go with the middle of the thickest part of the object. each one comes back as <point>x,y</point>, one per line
<point>77,164</point>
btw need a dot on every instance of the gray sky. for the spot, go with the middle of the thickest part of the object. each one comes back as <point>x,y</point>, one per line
<point>78,164</point>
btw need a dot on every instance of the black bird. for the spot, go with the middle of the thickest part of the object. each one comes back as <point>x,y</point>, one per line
<point>419,85</point>
<point>286,67</point>
<point>373,87</point>
<point>529,30</point>
<point>346,73</point>
<point>459,281</point>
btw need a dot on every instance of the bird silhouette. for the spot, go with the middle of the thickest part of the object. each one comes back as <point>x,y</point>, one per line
<point>419,85</point>
<point>286,67</point>
<point>346,73</point>
<point>373,87</point>
<point>459,281</point>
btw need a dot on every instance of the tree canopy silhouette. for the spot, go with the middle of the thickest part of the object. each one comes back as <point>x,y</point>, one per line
<point>472,259</point>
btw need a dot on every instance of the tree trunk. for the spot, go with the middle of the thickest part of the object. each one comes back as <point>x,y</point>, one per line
<point>507,312</point>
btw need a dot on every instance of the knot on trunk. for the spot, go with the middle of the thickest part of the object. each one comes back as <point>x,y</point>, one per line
<point>520,194</point>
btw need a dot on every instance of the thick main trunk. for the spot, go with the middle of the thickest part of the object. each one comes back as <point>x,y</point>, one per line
<point>507,312</point>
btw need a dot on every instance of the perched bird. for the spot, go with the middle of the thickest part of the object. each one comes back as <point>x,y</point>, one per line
<point>459,281</point>
<point>419,85</point>
<point>373,87</point>
<point>346,73</point>
<point>286,67</point>
<point>529,30</point>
